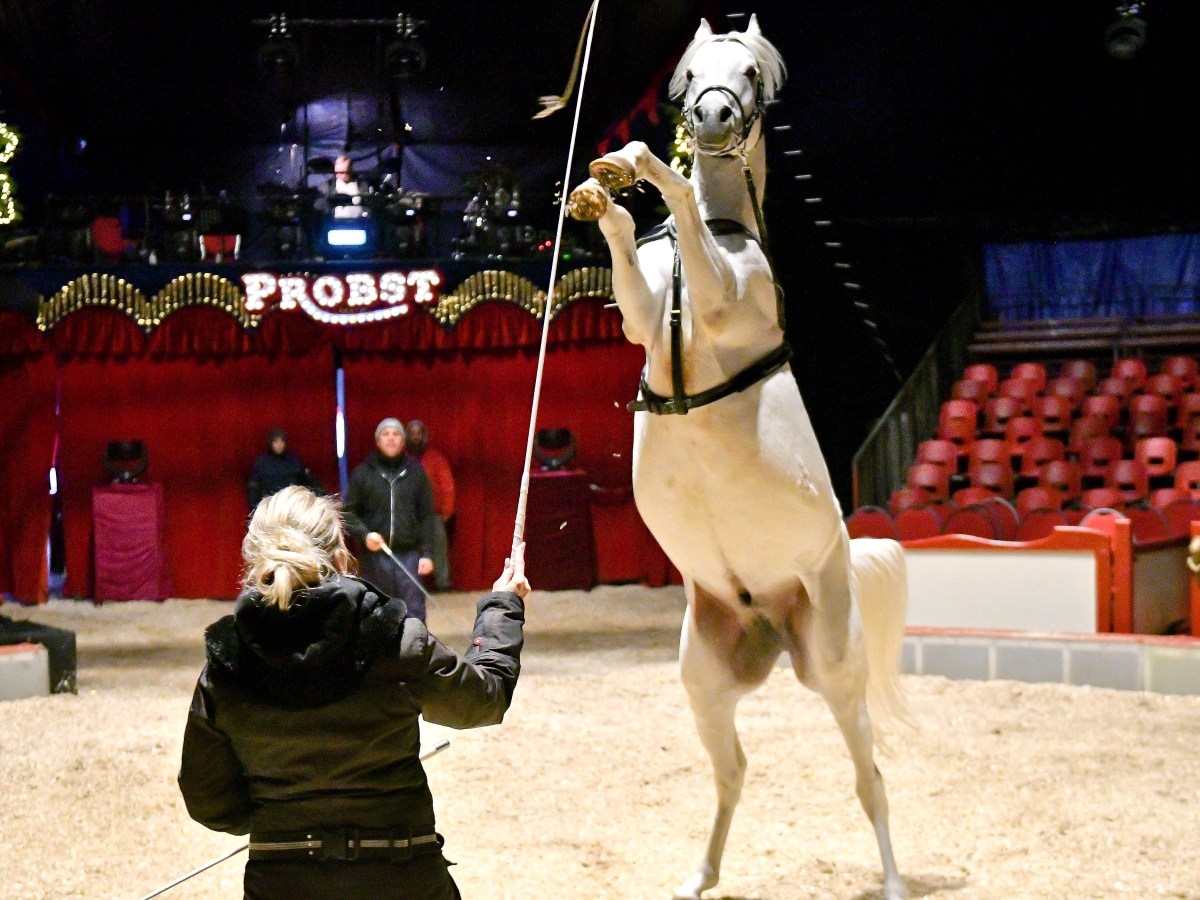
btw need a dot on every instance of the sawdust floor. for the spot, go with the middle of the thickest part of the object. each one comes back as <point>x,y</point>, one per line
<point>596,786</point>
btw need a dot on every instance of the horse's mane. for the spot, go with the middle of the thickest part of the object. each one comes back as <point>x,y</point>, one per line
<point>770,63</point>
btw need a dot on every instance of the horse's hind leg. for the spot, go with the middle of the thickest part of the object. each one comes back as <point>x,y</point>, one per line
<point>839,658</point>
<point>721,661</point>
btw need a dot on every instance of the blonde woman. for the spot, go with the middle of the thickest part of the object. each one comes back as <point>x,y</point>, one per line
<point>303,728</point>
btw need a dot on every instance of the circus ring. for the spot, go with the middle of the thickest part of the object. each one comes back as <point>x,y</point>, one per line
<point>596,786</point>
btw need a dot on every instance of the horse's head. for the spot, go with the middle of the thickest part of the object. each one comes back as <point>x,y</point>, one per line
<point>725,81</point>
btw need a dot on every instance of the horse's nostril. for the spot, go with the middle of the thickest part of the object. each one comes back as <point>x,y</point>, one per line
<point>726,113</point>
<point>699,114</point>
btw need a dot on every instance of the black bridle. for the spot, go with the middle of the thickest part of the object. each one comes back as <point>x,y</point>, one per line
<point>743,133</point>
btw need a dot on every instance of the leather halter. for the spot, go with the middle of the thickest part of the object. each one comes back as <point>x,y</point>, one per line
<point>681,402</point>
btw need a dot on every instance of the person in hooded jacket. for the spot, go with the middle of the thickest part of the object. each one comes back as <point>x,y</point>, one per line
<point>276,469</point>
<point>303,726</point>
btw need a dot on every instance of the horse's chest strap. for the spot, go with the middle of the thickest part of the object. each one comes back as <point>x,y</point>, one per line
<point>680,401</point>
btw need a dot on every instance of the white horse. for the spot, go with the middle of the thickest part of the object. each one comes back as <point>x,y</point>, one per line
<point>736,490</point>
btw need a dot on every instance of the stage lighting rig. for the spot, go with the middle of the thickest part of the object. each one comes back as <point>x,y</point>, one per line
<point>279,53</point>
<point>405,55</point>
<point>1123,39</point>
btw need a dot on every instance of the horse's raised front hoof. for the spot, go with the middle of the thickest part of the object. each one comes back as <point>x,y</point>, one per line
<point>588,202</point>
<point>696,884</point>
<point>614,172</point>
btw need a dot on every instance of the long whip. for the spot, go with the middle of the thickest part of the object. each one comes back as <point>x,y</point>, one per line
<point>522,502</point>
<point>432,751</point>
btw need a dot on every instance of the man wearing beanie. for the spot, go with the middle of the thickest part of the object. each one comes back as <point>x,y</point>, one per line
<point>390,501</point>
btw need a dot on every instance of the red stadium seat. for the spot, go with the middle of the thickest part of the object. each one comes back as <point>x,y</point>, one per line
<point>1101,498</point>
<point>1121,388</point>
<point>1131,369</point>
<point>940,453</point>
<point>988,450</point>
<point>969,496</point>
<point>996,413</point>
<point>1186,409</point>
<point>1189,439</point>
<point>906,498</point>
<point>871,521</point>
<point>1098,456</point>
<point>1040,523</point>
<point>1006,517</point>
<point>1187,478</point>
<point>1023,389</point>
<point>1182,366</point>
<point>996,477</point>
<point>1019,432</point>
<point>1146,524</point>
<point>1030,371</point>
<point>1038,497</point>
<point>1161,498</point>
<point>1054,414</point>
<point>1180,515</point>
<point>1129,478</point>
<point>966,389</point>
<point>959,432</point>
<point>959,409</point>
<point>1083,369</point>
<point>1040,451</point>
<point>1149,416</point>
<point>1105,406</point>
<point>933,480</point>
<point>975,520</point>
<point>1063,476</point>
<point>1073,390</point>
<point>1169,387</point>
<point>1158,455</point>
<point>918,522</point>
<point>1083,429</point>
<point>985,373</point>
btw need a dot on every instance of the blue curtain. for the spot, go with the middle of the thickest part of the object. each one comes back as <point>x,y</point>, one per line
<point>1125,277</point>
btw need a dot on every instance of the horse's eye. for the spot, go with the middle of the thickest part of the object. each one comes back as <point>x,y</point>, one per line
<point>689,75</point>
<point>751,73</point>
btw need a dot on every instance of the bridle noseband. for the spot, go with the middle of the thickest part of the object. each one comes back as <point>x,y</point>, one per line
<point>747,121</point>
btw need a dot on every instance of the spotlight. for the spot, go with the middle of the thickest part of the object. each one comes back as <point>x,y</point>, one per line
<point>1123,39</point>
<point>404,57</point>
<point>346,237</point>
<point>279,53</point>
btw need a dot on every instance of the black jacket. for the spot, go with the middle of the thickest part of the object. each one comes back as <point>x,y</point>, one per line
<point>393,498</point>
<point>307,717</point>
<point>271,473</point>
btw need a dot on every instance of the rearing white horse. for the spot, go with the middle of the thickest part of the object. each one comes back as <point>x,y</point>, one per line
<point>727,472</point>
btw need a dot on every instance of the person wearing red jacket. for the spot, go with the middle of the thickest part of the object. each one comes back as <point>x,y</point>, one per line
<point>437,467</point>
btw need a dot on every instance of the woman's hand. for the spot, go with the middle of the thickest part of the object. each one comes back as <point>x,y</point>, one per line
<point>512,579</point>
<point>374,541</point>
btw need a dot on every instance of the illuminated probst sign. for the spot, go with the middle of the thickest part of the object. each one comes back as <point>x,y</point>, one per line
<point>351,299</point>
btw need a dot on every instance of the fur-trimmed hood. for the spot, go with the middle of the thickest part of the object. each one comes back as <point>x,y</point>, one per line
<point>314,652</point>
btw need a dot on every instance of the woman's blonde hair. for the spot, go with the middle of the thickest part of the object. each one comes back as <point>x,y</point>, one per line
<point>294,541</point>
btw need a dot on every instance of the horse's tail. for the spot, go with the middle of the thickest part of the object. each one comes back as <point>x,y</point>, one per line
<point>881,589</point>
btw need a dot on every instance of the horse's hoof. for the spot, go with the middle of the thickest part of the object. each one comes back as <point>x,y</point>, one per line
<point>588,202</point>
<point>613,172</point>
<point>695,886</point>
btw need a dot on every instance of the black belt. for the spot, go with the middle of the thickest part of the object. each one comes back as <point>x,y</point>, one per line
<point>681,403</point>
<point>394,844</point>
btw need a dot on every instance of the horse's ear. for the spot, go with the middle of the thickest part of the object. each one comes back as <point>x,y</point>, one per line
<point>703,31</point>
<point>753,28</point>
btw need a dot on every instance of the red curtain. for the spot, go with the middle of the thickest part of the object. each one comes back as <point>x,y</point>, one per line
<point>204,421</point>
<point>476,404</point>
<point>27,439</point>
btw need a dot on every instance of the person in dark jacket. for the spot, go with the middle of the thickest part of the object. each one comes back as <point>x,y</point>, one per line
<point>389,500</point>
<point>303,726</point>
<point>276,469</point>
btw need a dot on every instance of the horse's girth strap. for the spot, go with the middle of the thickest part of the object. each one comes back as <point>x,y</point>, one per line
<point>659,405</point>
